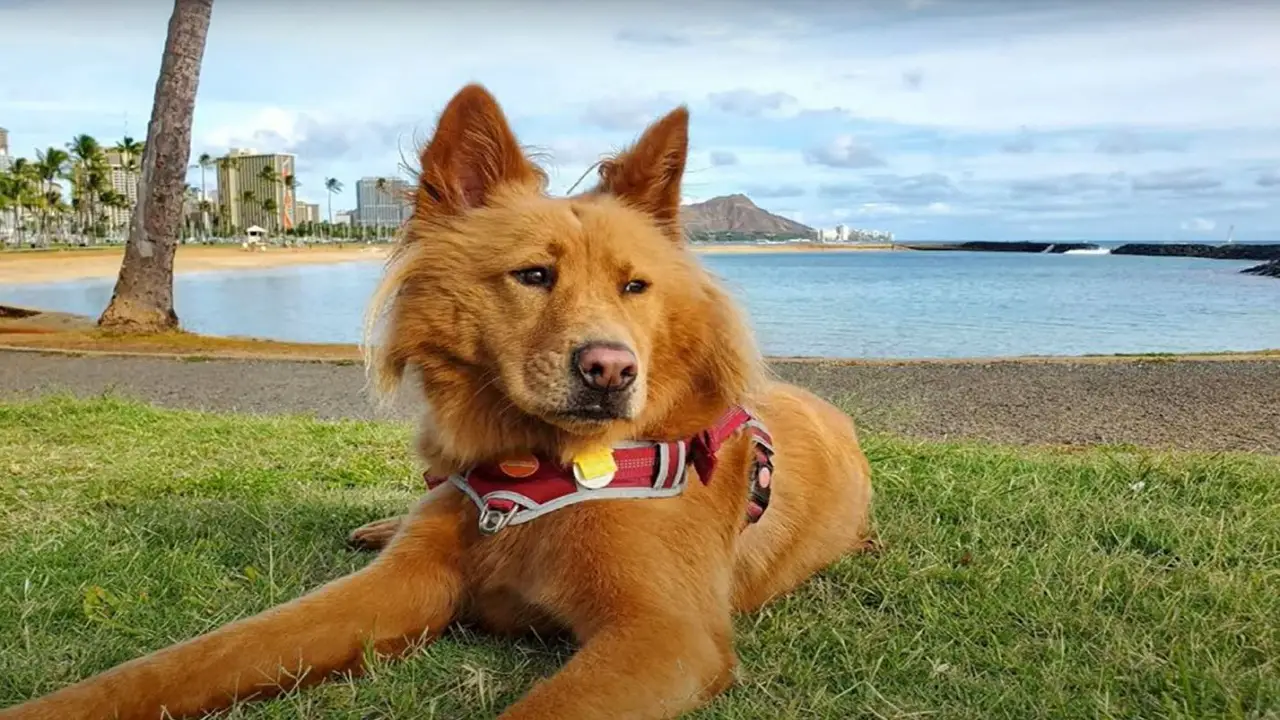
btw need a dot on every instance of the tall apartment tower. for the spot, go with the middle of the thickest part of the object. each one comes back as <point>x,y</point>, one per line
<point>123,174</point>
<point>4,150</point>
<point>382,202</point>
<point>253,190</point>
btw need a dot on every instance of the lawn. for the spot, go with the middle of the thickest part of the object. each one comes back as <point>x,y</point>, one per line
<point>1012,583</point>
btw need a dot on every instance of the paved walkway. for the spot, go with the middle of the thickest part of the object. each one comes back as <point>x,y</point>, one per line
<point>1203,405</point>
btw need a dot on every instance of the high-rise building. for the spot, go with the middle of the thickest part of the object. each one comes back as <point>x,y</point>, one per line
<point>123,173</point>
<point>5,161</point>
<point>253,190</point>
<point>307,213</point>
<point>382,202</point>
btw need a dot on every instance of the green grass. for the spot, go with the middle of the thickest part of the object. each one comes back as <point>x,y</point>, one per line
<point>1013,583</point>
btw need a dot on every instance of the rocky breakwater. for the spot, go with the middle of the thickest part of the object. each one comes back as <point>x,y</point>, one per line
<point>1211,252</point>
<point>993,246</point>
<point>1270,253</point>
<point>1266,269</point>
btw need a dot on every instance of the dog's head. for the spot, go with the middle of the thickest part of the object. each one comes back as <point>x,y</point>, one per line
<point>542,323</point>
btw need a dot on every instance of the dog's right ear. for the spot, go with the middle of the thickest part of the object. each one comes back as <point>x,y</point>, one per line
<point>472,154</point>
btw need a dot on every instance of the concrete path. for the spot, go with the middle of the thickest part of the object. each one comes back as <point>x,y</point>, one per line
<point>1203,405</point>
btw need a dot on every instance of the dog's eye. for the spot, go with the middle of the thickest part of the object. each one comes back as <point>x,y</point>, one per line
<point>635,287</point>
<point>535,277</point>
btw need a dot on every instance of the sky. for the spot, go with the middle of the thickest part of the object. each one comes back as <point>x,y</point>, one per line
<point>934,119</point>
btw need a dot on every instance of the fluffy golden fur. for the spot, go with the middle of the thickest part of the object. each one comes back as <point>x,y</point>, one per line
<point>492,288</point>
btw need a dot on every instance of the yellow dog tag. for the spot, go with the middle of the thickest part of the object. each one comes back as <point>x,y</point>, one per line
<point>595,468</point>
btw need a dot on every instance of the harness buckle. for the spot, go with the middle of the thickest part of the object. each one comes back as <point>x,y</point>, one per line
<point>494,519</point>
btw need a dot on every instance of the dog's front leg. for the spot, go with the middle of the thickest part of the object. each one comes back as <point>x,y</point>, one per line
<point>658,668</point>
<point>407,593</point>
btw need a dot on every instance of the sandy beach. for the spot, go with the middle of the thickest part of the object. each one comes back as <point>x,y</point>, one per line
<point>61,265</point>
<point>42,266</point>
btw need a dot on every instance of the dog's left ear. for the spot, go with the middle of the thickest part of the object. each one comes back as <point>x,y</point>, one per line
<point>647,175</point>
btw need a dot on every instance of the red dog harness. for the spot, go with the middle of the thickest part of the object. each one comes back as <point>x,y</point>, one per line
<point>517,491</point>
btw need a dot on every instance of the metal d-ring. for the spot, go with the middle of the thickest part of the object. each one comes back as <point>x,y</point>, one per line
<point>492,519</point>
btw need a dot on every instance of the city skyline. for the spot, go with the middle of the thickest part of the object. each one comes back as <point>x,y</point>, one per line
<point>932,119</point>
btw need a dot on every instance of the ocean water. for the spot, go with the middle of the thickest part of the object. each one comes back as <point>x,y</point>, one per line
<point>864,304</point>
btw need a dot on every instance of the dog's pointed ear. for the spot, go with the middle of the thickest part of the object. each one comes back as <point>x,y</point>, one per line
<point>472,154</point>
<point>647,175</point>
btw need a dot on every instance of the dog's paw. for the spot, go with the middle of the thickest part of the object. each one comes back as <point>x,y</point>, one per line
<point>375,535</point>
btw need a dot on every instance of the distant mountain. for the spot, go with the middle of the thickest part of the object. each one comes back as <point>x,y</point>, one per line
<point>736,213</point>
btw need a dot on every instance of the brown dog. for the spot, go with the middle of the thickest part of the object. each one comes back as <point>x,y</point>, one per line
<point>542,330</point>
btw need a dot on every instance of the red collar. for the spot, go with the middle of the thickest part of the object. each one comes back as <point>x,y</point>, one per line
<point>518,490</point>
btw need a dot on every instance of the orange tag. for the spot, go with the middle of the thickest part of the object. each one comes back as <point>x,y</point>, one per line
<point>520,467</point>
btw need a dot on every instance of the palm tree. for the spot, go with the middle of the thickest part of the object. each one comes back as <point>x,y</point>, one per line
<point>143,297</point>
<point>87,177</point>
<point>268,176</point>
<point>332,186</point>
<point>130,151</point>
<point>381,186</point>
<point>22,194</point>
<point>54,204</point>
<point>51,164</point>
<point>115,201</point>
<point>270,206</point>
<point>291,186</point>
<point>206,212</point>
<point>230,165</point>
<point>10,193</point>
<point>205,161</point>
<point>190,201</point>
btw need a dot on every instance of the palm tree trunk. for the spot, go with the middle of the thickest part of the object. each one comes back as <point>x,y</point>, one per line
<point>143,296</point>
<point>204,214</point>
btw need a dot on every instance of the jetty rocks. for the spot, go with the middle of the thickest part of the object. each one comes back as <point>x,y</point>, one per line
<point>1267,269</point>
<point>997,246</point>
<point>1211,252</point>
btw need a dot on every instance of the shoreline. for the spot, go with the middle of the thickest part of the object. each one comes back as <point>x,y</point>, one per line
<point>36,331</point>
<point>56,265</point>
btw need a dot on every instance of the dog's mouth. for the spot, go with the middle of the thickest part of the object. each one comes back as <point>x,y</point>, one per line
<point>591,414</point>
<point>595,408</point>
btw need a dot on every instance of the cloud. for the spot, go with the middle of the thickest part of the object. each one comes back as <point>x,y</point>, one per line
<point>568,152</point>
<point>896,190</point>
<point>843,152</point>
<point>1127,141</point>
<point>775,191</point>
<point>1188,180</point>
<point>313,139</point>
<point>1070,184</point>
<point>749,103</point>
<point>1199,225</point>
<point>924,189</point>
<point>1270,178</point>
<point>841,191</point>
<point>660,38</point>
<point>1021,144</point>
<point>723,158</point>
<point>627,113</point>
